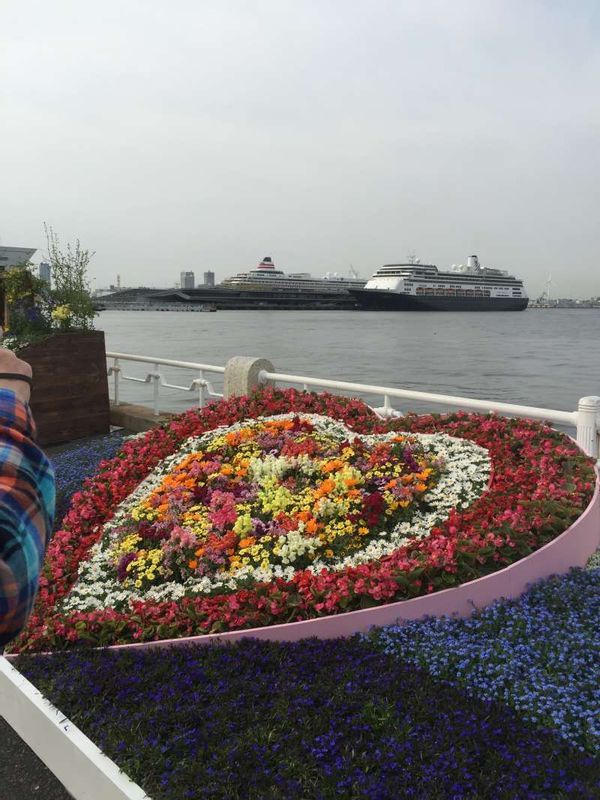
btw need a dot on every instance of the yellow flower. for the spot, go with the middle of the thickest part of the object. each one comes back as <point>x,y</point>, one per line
<point>62,313</point>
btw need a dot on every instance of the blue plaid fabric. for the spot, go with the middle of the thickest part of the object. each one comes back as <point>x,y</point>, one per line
<point>27,498</point>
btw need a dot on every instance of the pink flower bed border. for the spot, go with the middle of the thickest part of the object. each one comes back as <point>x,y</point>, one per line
<point>571,549</point>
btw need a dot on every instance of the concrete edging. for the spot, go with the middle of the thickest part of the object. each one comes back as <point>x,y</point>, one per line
<point>83,769</point>
<point>137,419</point>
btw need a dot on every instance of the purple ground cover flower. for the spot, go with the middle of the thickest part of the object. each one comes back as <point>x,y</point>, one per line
<point>539,654</point>
<point>76,462</point>
<point>315,719</point>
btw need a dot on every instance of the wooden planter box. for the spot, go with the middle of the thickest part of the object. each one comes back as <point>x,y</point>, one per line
<point>69,399</point>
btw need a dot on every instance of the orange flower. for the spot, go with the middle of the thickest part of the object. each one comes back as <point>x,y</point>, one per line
<point>326,487</point>
<point>247,542</point>
<point>311,526</point>
<point>332,466</point>
<point>279,425</point>
<point>192,564</point>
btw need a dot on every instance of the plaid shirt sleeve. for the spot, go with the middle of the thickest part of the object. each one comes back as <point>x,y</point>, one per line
<point>27,498</point>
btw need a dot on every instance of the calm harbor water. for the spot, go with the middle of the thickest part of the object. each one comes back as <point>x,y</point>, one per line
<point>545,358</point>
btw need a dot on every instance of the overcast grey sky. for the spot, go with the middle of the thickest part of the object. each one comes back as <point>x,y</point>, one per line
<point>206,134</point>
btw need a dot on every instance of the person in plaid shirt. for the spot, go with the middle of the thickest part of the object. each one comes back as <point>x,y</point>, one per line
<point>27,497</point>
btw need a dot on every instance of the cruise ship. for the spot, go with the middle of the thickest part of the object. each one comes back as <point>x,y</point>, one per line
<point>266,277</point>
<point>413,286</point>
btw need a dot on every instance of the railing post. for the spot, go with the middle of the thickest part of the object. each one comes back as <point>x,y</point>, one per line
<point>116,373</point>
<point>587,425</point>
<point>156,382</point>
<point>201,388</point>
<point>242,375</point>
<point>387,411</point>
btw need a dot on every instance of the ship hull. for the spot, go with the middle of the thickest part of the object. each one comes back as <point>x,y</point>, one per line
<point>381,300</point>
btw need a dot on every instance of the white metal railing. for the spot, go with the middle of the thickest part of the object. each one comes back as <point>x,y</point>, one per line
<point>201,384</point>
<point>585,419</point>
<point>563,417</point>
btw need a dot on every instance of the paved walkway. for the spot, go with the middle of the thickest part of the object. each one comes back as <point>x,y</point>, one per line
<point>22,775</point>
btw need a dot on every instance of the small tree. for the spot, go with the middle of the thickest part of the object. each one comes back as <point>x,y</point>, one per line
<point>33,310</point>
<point>71,291</point>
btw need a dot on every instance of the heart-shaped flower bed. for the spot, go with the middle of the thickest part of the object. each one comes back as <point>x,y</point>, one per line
<point>266,499</point>
<point>291,505</point>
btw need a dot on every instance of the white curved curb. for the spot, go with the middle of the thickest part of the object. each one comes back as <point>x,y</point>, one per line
<point>77,762</point>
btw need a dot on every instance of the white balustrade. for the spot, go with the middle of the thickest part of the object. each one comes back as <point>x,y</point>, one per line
<point>586,419</point>
<point>201,384</point>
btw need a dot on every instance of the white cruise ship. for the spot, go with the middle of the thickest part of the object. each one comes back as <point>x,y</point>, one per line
<point>412,286</point>
<point>267,277</point>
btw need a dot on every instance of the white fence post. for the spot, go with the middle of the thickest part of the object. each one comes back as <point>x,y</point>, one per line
<point>201,388</point>
<point>588,409</point>
<point>116,372</point>
<point>387,411</point>
<point>156,384</point>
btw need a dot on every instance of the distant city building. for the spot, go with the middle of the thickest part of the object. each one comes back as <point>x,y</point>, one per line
<point>187,280</point>
<point>209,278</point>
<point>45,271</point>
<point>13,256</point>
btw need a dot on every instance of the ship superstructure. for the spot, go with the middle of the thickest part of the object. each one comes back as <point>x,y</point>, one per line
<point>267,277</point>
<point>412,286</point>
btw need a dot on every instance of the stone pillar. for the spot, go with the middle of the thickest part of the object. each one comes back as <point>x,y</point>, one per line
<point>242,375</point>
